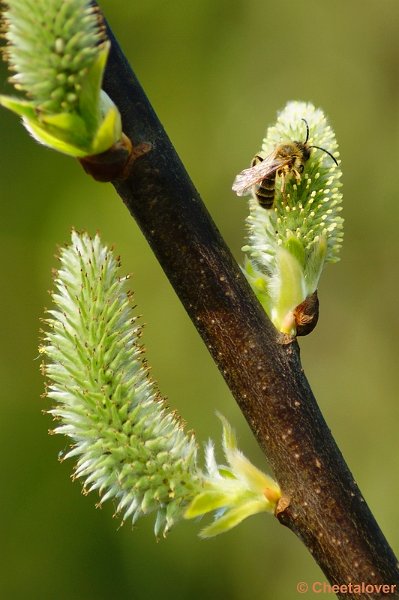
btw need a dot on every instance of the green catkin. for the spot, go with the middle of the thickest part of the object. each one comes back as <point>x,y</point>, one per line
<point>289,244</point>
<point>57,51</point>
<point>129,447</point>
<point>51,45</point>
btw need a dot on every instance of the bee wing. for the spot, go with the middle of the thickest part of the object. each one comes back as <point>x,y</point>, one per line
<point>249,177</point>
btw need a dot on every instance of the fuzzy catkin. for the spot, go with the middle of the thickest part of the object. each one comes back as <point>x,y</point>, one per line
<point>51,45</point>
<point>129,447</point>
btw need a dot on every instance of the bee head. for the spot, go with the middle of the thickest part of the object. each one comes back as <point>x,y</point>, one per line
<point>318,147</point>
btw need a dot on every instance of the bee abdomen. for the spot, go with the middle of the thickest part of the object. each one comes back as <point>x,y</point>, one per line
<point>266,191</point>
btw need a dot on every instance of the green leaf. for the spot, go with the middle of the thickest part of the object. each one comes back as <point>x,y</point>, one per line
<point>315,264</point>
<point>23,108</point>
<point>231,518</point>
<point>229,437</point>
<point>89,96</point>
<point>67,127</point>
<point>108,133</point>
<point>207,502</point>
<point>56,141</point>
<point>290,291</point>
<point>295,247</point>
<point>234,492</point>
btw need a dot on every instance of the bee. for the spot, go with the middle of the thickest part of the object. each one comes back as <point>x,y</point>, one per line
<point>286,159</point>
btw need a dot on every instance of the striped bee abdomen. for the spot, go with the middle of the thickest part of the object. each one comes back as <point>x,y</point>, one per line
<point>265,190</point>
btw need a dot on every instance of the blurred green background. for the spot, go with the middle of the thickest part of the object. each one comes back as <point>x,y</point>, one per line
<point>216,72</point>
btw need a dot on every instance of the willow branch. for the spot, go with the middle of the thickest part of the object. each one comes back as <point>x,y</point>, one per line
<point>322,503</point>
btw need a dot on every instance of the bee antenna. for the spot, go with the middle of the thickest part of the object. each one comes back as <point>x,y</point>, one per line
<point>327,152</point>
<point>307,130</point>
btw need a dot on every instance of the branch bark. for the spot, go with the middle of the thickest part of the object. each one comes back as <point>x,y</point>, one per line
<point>321,501</point>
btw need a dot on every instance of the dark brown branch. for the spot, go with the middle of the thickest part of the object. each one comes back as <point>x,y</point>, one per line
<point>322,503</point>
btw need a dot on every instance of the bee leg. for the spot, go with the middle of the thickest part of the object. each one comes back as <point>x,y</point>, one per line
<point>297,175</point>
<point>282,189</point>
